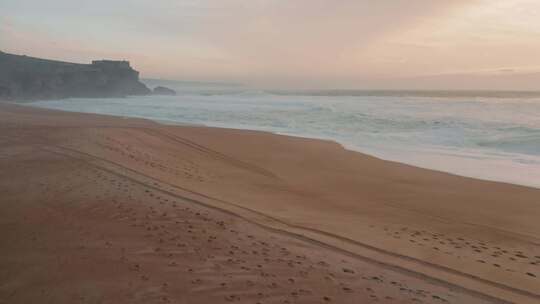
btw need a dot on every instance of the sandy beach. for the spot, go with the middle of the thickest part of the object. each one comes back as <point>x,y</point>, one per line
<point>103,209</point>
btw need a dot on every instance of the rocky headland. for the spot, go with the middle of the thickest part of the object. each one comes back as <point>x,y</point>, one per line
<point>160,90</point>
<point>29,78</point>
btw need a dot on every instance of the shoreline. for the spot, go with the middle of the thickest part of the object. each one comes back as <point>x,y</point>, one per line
<point>403,156</point>
<point>426,227</point>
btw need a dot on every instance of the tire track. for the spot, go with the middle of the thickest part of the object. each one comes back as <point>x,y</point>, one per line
<point>209,152</point>
<point>268,222</point>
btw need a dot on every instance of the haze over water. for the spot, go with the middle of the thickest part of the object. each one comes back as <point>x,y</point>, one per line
<point>487,135</point>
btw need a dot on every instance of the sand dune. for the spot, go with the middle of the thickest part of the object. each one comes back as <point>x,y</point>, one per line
<point>99,209</point>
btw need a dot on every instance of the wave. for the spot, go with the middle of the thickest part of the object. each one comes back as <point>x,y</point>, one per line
<point>409,93</point>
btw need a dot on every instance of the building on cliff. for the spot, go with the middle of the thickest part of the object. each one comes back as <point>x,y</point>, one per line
<point>29,78</point>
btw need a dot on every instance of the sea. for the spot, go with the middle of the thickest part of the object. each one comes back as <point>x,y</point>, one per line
<point>482,134</point>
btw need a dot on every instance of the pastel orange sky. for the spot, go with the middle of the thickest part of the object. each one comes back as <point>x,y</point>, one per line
<point>417,44</point>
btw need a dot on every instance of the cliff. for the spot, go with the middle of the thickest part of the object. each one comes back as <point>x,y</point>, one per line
<point>28,78</point>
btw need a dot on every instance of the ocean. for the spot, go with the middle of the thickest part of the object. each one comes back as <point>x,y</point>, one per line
<point>486,135</point>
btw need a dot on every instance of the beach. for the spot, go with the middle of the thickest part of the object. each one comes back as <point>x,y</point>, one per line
<point>105,209</point>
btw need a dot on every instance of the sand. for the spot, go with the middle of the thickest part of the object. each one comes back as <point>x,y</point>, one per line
<point>102,209</point>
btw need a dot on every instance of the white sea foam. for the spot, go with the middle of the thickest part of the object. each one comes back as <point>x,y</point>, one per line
<point>485,137</point>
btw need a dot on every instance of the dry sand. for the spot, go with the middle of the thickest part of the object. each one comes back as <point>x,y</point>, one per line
<point>100,209</point>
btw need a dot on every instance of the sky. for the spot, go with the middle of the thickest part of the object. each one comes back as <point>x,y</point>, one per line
<point>363,44</point>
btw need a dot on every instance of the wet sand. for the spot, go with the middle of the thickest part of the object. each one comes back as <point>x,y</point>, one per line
<point>101,209</point>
